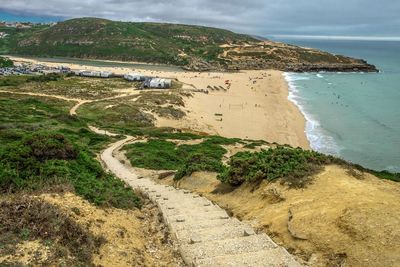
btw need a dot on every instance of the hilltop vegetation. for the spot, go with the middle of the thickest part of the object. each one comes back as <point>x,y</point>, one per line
<point>193,47</point>
<point>6,63</point>
<point>105,39</point>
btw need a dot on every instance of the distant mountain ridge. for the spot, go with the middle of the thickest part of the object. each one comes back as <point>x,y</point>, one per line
<point>192,47</point>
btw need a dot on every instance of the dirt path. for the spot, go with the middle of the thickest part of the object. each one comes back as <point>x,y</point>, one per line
<point>206,235</point>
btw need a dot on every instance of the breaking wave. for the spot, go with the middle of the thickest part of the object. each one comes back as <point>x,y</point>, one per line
<point>319,139</point>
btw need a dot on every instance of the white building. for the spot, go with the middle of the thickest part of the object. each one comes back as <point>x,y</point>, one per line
<point>106,74</point>
<point>100,74</point>
<point>134,77</point>
<point>160,83</point>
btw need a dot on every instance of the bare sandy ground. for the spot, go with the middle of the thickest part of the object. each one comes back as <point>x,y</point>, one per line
<point>254,107</point>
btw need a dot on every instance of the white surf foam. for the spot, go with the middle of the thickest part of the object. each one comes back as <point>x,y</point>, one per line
<point>319,140</point>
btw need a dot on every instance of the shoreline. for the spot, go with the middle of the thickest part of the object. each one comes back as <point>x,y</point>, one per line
<point>256,106</point>
<point>318,141</point>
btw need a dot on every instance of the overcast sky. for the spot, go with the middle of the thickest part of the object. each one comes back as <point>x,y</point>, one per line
<point>260,17</point>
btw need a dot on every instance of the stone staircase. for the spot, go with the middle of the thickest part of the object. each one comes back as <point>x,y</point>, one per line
<point>206,235</point>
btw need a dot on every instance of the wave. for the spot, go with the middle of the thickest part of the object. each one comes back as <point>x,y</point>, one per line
<point>319,140</point>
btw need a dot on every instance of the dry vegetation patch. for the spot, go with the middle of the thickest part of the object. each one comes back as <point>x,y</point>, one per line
<point>66,230</point>
<point>58,238</point>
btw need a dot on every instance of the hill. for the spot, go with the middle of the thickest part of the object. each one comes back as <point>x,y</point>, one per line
<point>193,47</point>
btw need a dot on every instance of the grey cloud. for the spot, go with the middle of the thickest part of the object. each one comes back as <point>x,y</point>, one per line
<point>262,17</point>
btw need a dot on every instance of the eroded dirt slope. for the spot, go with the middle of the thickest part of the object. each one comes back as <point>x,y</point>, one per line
<point>336,220</point>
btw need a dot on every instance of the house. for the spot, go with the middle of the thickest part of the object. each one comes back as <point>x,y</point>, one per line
<point>50,71</point>
<point>134,77</point>
<point>106,74</point>
<point>89,73</point>
<point>159,83</point>
<point>64,69</point>
<point>78,72</point>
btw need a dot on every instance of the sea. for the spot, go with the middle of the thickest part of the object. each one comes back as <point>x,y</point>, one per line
<point>355,116</point>
<point>8,16</point>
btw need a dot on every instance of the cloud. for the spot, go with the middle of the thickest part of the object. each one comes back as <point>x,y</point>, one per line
<point>262,17</point>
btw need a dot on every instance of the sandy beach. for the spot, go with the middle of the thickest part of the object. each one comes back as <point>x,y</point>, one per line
<point>255,106</point>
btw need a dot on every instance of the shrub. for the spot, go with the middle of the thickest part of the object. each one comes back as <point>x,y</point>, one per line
<point>45,78</point>
<point>28,218</point>
<point>6,63</point>
<point>165,155</point>
<point>43,160</point>
<point>294,165</point>
<point>198,162</point>
<point>49,146</point>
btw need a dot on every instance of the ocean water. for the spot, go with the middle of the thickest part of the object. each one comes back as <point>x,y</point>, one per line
<point>353,115</point>
<point>18,17</point>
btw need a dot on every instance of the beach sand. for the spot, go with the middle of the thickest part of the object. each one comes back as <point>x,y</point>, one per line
<point>255,106</point>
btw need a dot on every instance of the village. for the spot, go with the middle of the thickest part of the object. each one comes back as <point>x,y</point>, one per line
<point>23,25</point>
<point>38,69</point>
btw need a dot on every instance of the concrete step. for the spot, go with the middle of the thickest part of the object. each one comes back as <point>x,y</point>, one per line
<point>199,224</point>
<point>277,257</point>
<point>196,213</point>
<point>233,246</point>
<point>216,233</point>
<point>173,210</point>
<point>184,206</point>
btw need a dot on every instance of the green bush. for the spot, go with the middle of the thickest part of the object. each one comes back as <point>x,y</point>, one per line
<point>165,155</point>
<point>294,165</point>
<point>198,162</point>
<point>45,78</point>
<point>6,63</point>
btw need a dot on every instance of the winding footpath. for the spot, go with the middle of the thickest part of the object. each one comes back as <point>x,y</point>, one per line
<point>206,234</point>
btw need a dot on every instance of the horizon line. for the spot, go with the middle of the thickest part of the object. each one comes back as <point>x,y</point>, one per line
<point>337,37</point>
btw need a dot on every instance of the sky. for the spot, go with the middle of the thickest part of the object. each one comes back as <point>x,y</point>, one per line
<point>363,18</point>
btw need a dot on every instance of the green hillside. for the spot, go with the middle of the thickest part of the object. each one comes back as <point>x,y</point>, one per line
<point>193,47</point>
<point>105,39</point>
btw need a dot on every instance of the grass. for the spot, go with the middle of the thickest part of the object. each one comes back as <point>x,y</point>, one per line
<point>134,114</point>
<point>395,177</point>
<point>72,87</point>
<point>169,112</point>
<point>160,98</point>
<point>6,63</point>
<point>254,144</point>
<point>42,147</point>
<point>293,165</point>
<point>165,155</point>
<point>128,41</point>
